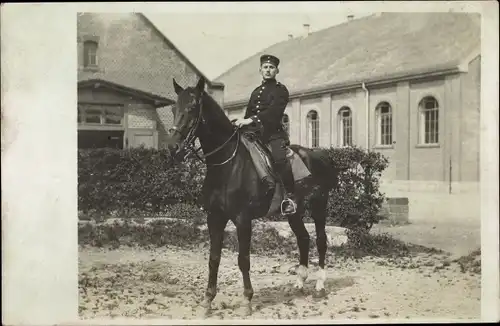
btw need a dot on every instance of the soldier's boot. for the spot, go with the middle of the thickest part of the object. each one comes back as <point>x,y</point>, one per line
<point>288,205</point>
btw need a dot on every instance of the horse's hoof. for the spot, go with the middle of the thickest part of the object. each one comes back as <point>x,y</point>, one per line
<point>207,313</point>
<point>319,293</point>
<point>206,304</point>
<point>247,311</point>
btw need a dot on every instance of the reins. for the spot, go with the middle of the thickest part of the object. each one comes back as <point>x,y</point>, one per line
<point>189,146</point>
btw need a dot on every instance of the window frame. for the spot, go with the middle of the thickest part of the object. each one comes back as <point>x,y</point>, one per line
<point>384,140</point>
<point>82,114</point>
<point>428,117</point>
<point>312,129</point>
<point>341,127</point>
<point>89,53</point>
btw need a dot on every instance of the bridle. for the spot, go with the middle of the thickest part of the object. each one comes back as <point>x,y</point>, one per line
<point>188,144</point>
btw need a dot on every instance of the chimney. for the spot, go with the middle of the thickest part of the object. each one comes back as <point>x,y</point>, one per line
<point>306,29</point>
<point>350,18</point>
<point>290,36</point>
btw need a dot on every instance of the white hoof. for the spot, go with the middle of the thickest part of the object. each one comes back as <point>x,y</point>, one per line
<point>320,283</point>
<point>301,277</point>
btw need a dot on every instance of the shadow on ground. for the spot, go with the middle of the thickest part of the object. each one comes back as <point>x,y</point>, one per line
<point>286,293</point>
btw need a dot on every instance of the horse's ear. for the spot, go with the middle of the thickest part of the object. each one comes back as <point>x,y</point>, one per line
<point>201,85</point>
<point>177,87</point>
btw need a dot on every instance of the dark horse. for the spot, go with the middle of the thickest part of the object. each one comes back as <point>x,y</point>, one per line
<point>231,185</point>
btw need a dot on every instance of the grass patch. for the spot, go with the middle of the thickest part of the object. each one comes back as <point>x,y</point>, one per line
<point>470,263</point>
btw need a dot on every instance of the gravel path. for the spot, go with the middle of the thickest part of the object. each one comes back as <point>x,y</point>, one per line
<point>169,283</point>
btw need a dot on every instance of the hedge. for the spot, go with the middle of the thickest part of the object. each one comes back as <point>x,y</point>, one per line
<point>135,181</point>
<point>147,182</point>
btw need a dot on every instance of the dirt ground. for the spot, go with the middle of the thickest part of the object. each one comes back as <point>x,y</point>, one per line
<point>169,283</point>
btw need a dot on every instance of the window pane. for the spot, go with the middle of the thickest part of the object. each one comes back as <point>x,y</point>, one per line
<point>92,59</point>
<point>316,133</point>
<point>90,53</point>
<point>389,130</point>
<point>92,118</point>
<point>430,104</point>
<point>112,120</point>
<point>384,110</point>
<point>113,115</point>
<point>436,130</point>
<point>93,114</point>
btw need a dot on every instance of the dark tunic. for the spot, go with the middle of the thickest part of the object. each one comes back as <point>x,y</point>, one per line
<point>266,106</point>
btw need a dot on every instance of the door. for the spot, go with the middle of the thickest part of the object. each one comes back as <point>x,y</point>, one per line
<point>100,139</point>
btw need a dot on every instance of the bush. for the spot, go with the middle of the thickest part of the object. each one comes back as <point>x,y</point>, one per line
<point>137,182</point>
<point>356,201</point>
<point>134,182</point>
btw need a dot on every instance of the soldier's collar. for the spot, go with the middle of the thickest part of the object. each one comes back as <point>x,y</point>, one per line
<point>269,81</point>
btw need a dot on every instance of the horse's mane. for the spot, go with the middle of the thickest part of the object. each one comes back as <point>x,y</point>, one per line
<point>217,114</point>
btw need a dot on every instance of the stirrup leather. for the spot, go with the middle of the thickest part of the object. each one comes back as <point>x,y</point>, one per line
<point>294,205</point>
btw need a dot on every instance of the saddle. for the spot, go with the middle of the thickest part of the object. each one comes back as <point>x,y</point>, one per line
<point>262,160</point>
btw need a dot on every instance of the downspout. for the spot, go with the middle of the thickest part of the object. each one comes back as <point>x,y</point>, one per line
<point>367,109</point>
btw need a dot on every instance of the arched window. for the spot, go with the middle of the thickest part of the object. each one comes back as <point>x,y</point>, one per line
<point>312,132</point>
<point>429,120</point>
<point>90,53</point>
<point>384,123</point>
<point>285,121</point>
<point>345,126</point>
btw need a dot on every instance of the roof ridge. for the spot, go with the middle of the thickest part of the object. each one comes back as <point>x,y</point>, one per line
<point>368,34</point>
<point>252,56</point>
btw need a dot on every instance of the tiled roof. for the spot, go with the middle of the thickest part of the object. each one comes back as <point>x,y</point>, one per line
<point>373,47</point>
<point>155,80</point>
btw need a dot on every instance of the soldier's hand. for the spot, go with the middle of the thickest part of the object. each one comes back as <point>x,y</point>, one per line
<point>243,122</point>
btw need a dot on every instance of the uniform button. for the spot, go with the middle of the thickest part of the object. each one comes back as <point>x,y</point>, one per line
<point>257,106</point>
<point>258,111</point>
<point>263,87</point>
<point>260,91</point>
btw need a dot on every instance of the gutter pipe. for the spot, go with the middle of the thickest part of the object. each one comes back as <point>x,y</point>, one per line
<point>367,109</point>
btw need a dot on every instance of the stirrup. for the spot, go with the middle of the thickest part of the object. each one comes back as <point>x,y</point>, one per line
<point>294,206</point>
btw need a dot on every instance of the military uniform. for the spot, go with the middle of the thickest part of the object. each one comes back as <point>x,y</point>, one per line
<point>266,107</point>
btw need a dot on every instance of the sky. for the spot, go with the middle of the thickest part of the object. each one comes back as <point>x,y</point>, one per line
<point>215,42</point>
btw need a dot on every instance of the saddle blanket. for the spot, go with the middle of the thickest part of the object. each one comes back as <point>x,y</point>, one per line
<point>262,161</point>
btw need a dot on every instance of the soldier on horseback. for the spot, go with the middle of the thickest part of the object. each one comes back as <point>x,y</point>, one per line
<point>266,107</point>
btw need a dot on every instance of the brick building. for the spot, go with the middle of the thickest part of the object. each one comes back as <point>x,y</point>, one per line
<point>125,71</point>
<point>404,84</point>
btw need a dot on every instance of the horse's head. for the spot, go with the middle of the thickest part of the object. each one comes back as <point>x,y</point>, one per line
<point>187,115</point>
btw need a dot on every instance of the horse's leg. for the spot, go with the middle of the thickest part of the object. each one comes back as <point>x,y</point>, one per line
<point>297,225</point>
<point>318,204</point>
<point>244,232</point>
<point>216,226</point>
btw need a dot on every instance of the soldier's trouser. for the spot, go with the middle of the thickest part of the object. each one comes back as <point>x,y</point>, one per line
<point>282,164</point>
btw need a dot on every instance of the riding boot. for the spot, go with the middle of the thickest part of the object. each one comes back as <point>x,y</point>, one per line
<point>288,206</point>
<point>267,187</point>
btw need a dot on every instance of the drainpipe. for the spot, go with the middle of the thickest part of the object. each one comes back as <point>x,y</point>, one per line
<point>367,109</point>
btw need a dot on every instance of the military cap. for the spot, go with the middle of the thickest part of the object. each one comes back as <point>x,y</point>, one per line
<point>268,58</point>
